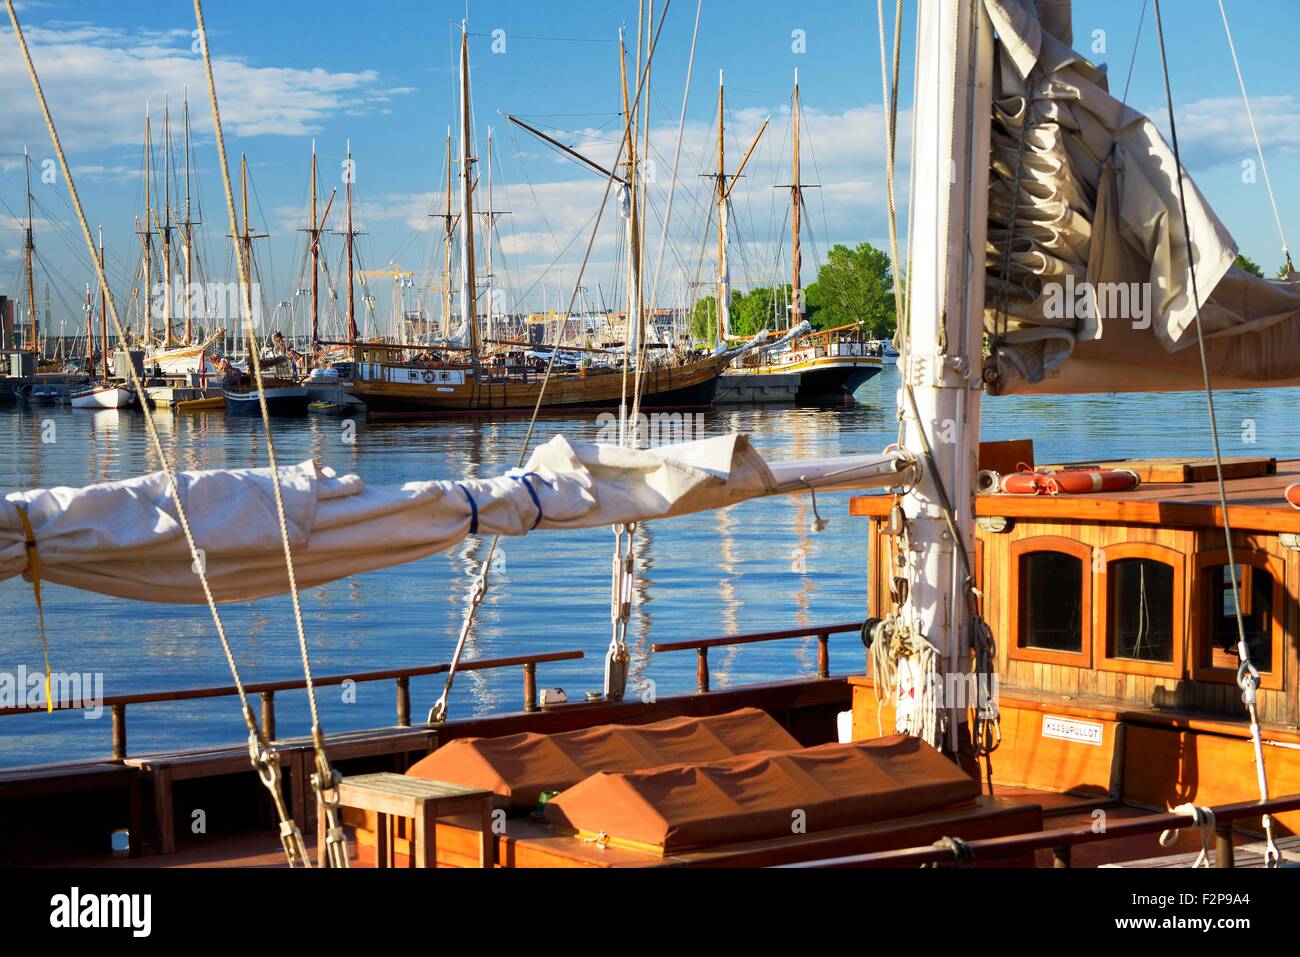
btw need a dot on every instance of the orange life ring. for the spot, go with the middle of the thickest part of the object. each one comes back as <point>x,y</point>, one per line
<point>1293,495</point>
<point>1069,482</point>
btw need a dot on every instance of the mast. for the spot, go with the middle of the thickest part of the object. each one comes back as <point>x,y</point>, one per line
<point>29,247</point>
<point>447,242</point>
<point>467,282</point>
<point>315,253</point>
<point>148,228</point>
<point>796,202</point>
<point>103,310</point>
<point>487,239</point>
<point>189,230</point>
<point>724,267</point>
<point>90,333</point>
<point>352,317</point>
<point>633,251</point>
<point>167,224</point>
<point>941,369</point>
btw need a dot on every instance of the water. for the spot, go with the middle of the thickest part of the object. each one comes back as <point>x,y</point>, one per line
<point>756,567</point>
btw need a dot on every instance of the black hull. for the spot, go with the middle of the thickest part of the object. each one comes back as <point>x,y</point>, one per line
<point>279,402</point>
<point>834,383</point>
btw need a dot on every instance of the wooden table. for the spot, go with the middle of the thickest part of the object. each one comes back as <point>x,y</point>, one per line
<point>396,795</point>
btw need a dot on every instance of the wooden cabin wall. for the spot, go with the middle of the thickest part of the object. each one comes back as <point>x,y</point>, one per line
<point>993,556</point>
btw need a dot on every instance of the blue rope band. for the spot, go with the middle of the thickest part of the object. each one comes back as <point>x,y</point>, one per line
<point>473,509</point>
<point>533,492</point>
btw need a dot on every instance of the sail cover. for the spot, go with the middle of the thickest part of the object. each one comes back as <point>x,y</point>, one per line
<point>1094,294</point>
<point>124,538</point>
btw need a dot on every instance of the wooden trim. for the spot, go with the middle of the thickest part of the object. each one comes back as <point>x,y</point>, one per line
<point>1101,602</point>
<point>1253,558</point>
<point>1049,543</point>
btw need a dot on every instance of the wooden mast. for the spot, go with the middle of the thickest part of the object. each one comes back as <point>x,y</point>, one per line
<point>487,241</point>
<point>633,251</point>
<point>247,239</point>
<point>167,224</point>
<point>103,311</point>
<point>90,333</point>
<point>314,237</point>
<point>467,279</point>
<point>447,239</point>
<point>724,267</point>
<point>796,202</point>
<point>148,228</point>
<point>29,247</point>
<point>189,231</point>
<point>349,233</point>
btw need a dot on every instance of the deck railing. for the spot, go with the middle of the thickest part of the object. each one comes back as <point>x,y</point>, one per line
<point>266,690</point>
<point>1061,841</point>
<point>701,646</point>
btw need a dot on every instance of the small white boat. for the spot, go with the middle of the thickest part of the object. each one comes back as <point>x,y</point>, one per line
<point>104,397</point>
<point>185,360</point>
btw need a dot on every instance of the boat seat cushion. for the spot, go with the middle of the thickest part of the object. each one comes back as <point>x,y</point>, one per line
<point>760,796</point>
<point>519,767</point>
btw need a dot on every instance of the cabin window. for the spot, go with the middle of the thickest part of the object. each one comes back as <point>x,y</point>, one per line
<point>1141,609</point>
<point>1051,601</point>
<point>1262,599</point>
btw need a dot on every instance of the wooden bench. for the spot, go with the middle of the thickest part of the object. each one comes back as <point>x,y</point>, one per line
<point>19,784</point>
<point>391,795</point>
<point>296,762</point>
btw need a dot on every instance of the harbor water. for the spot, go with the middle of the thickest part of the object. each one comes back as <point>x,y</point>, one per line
<point>759,566</point>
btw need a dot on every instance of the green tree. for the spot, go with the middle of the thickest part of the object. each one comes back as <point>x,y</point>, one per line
<point>704,321</point>
<point>853,286</point>
<point>1249,265</point>
<point>1284,271</point>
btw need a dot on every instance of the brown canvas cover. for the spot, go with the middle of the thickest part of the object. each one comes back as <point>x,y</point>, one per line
<point>519,767</point>
<point>757,796</point>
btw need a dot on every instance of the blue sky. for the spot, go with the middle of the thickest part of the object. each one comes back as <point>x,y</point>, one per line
<point>381,74</point>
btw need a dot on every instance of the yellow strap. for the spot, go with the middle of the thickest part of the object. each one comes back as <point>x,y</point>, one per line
<point>34,567</point>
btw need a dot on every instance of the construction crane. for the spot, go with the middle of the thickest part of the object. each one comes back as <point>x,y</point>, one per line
<point>402,279</point>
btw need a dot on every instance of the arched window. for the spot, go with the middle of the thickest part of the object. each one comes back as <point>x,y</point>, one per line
<point>1051,601</point>
<point>1142,609</point>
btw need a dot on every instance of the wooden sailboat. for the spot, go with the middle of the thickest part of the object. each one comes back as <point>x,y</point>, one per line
<point>416,379</point>
<point>105,395</point>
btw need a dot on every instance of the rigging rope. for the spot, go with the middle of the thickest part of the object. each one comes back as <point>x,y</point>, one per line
<point>325,780</point>
<point>1250,115</point>
<point>264,757</point>
<point>1247,675</point>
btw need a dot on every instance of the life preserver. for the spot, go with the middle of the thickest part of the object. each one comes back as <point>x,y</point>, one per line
<point>1067,482</point>
<point>428,375</point>
<point>1293,495</point>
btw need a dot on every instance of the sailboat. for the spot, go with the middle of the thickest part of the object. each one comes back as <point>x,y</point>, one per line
<point>457,378</point>
<point>1145,612</point>
<point>826,365</point>
<point>105,395</point>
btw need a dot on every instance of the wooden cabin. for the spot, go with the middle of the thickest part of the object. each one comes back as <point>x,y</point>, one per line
<point>1116,635</point>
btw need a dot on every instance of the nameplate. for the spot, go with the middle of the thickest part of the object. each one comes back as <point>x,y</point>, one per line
<point>1067,729</point>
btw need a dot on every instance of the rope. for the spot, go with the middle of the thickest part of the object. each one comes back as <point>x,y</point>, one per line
<point>962,855</point>
<point>1250,115</point>
<point>1248,685</point>
<point>34,567</point>
<point>1203,818</point>
<point>438,712</point>
<point>326,779</point>
<point>264,758</point>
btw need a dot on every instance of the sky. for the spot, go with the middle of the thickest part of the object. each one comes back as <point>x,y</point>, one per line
<point>381,75</point>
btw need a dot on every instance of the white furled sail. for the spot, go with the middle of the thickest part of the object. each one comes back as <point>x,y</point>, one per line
<point>123,538</point>
<point>1088,289</point>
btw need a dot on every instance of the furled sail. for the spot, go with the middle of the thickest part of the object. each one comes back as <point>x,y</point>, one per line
<point>1088,281</point>
<point>124,538</point>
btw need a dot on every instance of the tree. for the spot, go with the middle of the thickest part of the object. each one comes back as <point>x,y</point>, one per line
<point>1249,265</point>
<point>853,286</point>
<point>704,320</point>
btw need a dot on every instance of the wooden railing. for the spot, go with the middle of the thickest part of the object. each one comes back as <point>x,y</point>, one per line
<point>266,690</point>
<point>701,646</point>
<point>1061,841</point>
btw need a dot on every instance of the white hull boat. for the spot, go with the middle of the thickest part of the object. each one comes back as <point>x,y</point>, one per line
<point>104,397</point>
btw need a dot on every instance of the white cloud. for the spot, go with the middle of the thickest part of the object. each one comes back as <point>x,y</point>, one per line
<point>1216,130</point>
<point>97,80</point>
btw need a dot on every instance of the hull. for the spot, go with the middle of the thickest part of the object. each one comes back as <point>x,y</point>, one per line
<point>836,379</point>
<point>687,387</point>
<point>109,397</point>
<point>280,400</point>
<point>186,360</point>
